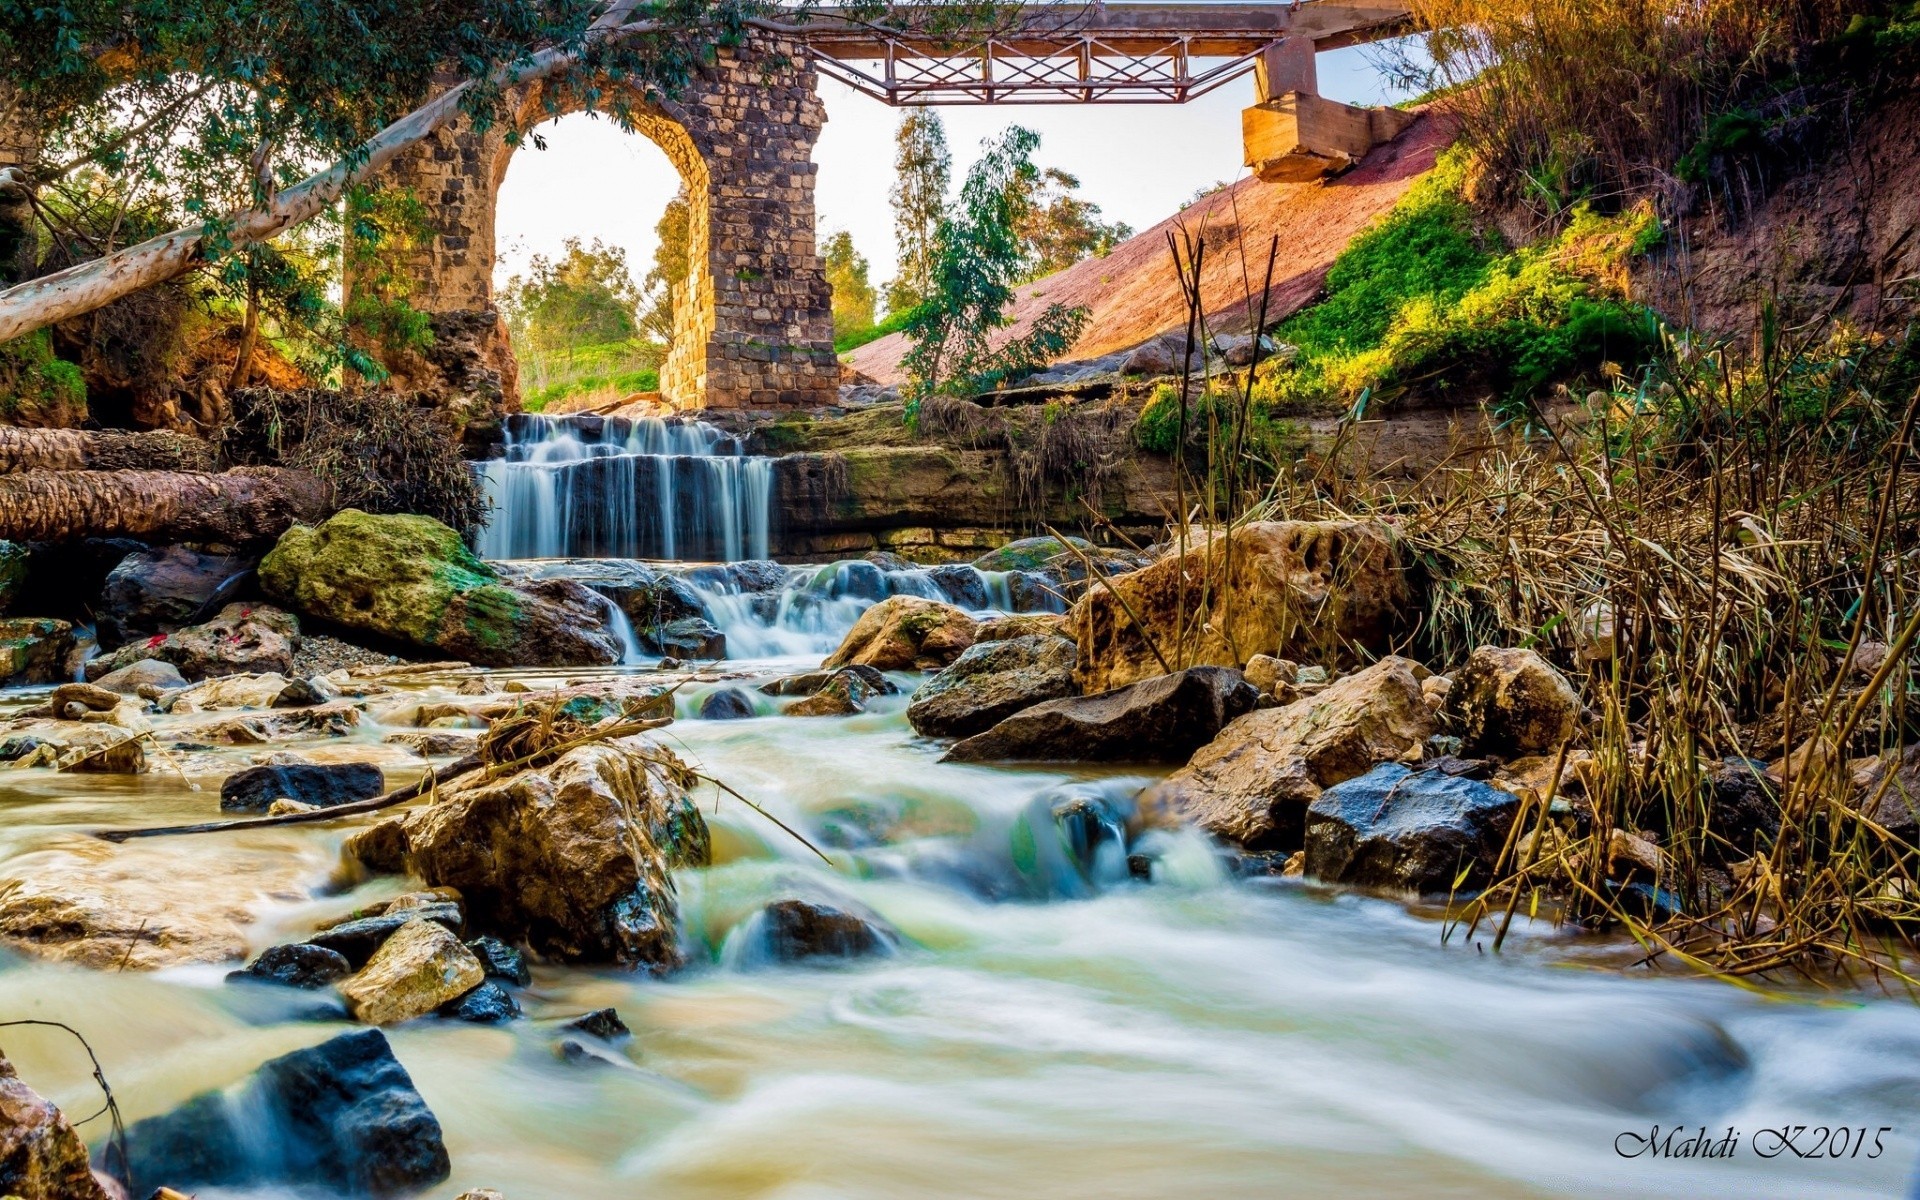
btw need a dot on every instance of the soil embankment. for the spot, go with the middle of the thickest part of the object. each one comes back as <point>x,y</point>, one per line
<point>1133,294</point>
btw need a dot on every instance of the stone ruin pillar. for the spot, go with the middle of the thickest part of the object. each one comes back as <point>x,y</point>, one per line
<point>754,327</point>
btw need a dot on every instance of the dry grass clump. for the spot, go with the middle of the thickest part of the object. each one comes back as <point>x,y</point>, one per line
<point>1062,446</point>
<point>1725,557</point>
<point>381,451</point>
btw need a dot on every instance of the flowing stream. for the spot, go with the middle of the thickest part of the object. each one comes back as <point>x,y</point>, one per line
<point>1051,1024</point>
<point>1049,1027</point>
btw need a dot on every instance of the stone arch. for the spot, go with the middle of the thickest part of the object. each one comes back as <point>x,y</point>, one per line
<point>755,326</point>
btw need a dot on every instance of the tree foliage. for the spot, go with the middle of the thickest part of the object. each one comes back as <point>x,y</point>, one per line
<point>667,280</point>
<point>1056,227</point>
<point>585,297</point>
<point>979,257</point>
<point>923,170</point>
<point>853,293</point>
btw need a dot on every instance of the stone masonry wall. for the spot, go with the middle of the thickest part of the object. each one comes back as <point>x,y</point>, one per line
<point>754,328</point>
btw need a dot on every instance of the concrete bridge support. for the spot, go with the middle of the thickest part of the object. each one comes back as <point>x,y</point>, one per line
<point>753,327</point>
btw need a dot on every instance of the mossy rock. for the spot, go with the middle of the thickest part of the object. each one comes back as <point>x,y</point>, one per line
<point>1030,554</point>
<point>414,580</point>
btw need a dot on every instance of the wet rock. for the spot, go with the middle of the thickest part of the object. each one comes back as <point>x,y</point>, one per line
<point>435,743</point>
<point>17,746</point>
<point>154,592</point>
<point>323,785</point>
<point>726,704</point>
<point>737,578</point>
<point>1006,628</point>
<point>258,729</point>
<point>1746,805</point>
<point>228,692</point>
<point>358,940</point>
<point>421,967</point>
<point>88,697</point>
<point>1325,591</point>
<point>795,930</point>
<point>570,859</point>
<point>304,693</point>
<point>481,1194</point>
<point>1163,719</point>
<point>41,1157</point>
<point>33,650</point>
<point>1050,553</point>
<point>905,633</point>
<point>688,637</point>
<point>1039,592</point>
<point>1253,783</point>
<point>1419,831</point>
<point>380,849</point>
<point>501,961</point>
<point>603,1023</point>
<point>414,580</point>
<point>990,682</point>
<point>147,672</point>
<point>1890,784</point>
<point>961,585</point>
<point>808,682</point>
<point>301,965</point>
<point>843,694</point>
<point>488,1004</point>
<point>1510,702</point>
<point>240,639</point>
<point>343,1116</point>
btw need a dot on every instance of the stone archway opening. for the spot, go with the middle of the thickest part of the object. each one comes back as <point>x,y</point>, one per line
<point>754,329</point>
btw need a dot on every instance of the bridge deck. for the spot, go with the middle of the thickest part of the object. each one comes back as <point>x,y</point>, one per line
<point>1116,53</point>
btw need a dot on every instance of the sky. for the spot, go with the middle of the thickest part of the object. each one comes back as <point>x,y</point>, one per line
<point>1138,162</point>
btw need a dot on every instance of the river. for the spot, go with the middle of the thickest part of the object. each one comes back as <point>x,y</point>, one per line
<point>1049,1026</point>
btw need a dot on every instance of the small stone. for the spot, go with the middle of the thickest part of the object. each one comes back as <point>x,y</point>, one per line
<point>323,785</point>
<point>421,967</point>
<point>287,808</point>
<point>796,930</point>
<point>88,696</point>
<point>301,965</point>
<point>360,939</point>
<point>501,961</point>
<point>603,1023</point>
<point>488,1004</point>
<point>726,704</point>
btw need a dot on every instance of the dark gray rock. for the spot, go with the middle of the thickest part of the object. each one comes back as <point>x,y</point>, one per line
<point>1163,719</point>
<point>488,1004</point>
<point>300,965</point>
<point>753,575</point>
<point>19,745</point>
<point>1038,591</point>
<point>501,961</point>
<point>688,637</point>
<point>794,930</point>
<point>342,1116</point>
<point>153,592</point>
<point>358,939</point>
<point>990,682</point>
<point>603,1023</point>
<point>808,682</point>
<point>726,704</point>
<point>1397,828</point>
<point>322,784</point>
<point>962,585</point>
<point>1746,805</point>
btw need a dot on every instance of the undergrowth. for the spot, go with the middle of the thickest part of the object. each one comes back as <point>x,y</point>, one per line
<point>605,371</point>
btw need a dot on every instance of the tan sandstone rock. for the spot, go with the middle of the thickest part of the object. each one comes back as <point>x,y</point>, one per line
<point>571,859</point>
<point>41,1157</point>
<point>1252,784</point>
<point>1511,702</point>
<point>1317,591</point>
<point>906,633</point>
<point>422,966</point>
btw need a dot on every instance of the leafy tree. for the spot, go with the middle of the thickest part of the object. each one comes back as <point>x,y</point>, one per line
<point>853,294</point>
<point>979,258</point>
<point>1058,229</point>
<point>586,298</point>
<point>923,169</point>
<point>669,274</point>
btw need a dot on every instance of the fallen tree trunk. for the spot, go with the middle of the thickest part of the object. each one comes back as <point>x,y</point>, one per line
<point>248,504</point>
<point>87,450</point>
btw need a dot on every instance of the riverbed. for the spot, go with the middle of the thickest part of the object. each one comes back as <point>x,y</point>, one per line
<point>1049,1025</point>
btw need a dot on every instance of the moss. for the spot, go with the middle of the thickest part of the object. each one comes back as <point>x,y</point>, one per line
<point>37,388</point>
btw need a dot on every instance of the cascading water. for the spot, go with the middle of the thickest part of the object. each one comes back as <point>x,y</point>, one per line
<point>609,487</point>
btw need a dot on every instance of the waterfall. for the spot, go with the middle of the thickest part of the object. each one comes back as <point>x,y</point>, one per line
<point>607,487</point>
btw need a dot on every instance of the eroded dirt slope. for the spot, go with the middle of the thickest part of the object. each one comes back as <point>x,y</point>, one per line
<point>1133,293</point>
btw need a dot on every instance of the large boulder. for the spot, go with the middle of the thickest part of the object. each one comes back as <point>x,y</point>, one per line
<point>33,650</point>
<point>905,633</point>
<point>154,592</point>
<point>1510,703</point>
<point>41,1157</point>
<point>421,967</point>
<point>990,682</point>
<point>342,1116</point>
<point>1425,831</point>
<point>241,639</point>
<point>323,785</point>
<point>1163,719</point>
<point>570,859</point>
<point>1310,591</point>
<point>413,580</point>
<point>1253,783</point>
